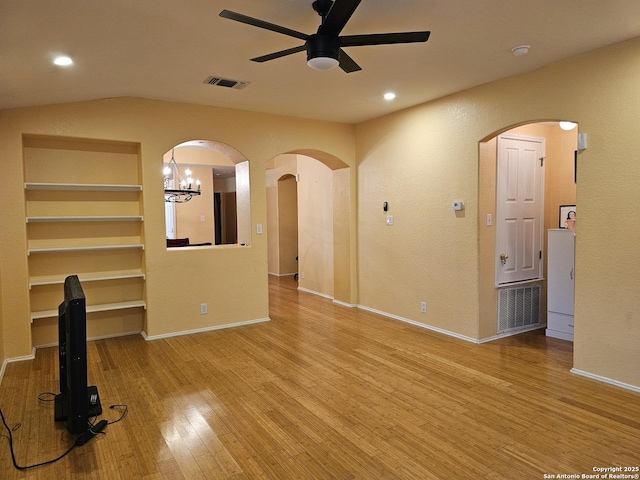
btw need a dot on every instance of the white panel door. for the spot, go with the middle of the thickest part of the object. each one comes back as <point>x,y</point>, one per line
<point>519,208</point>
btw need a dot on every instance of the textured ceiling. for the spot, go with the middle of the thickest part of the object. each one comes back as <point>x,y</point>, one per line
<point>163,49</point>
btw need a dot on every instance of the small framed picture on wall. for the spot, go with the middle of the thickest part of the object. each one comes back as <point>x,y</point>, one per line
<point>567,216</point>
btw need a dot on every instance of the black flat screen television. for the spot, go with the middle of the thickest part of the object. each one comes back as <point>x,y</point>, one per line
<point>77,402</point>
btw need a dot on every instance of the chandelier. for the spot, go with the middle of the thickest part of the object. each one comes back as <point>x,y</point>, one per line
<point>183,191</point>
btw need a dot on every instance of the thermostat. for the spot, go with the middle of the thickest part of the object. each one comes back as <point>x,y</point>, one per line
<point>457,205</point>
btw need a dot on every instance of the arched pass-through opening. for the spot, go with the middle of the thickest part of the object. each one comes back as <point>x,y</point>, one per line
<point>219,212</point>
<point>560,163</point>
<point>325,254</point>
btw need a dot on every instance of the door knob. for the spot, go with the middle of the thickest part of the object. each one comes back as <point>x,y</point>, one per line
<point>503,258</point>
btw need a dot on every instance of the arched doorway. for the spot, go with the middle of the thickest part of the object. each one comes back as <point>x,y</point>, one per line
<point>324,222</point>
<point>560,189</point>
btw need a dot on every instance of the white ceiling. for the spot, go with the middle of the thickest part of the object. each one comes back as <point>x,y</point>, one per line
<point>165,49</point>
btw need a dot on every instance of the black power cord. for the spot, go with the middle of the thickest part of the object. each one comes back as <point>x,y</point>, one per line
<point>13,456</point>
<point>80,440</point>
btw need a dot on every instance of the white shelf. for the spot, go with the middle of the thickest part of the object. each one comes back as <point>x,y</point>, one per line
<point>105,307</point>
<point>83,249</point>
<point>86,277</point>
<point>93,218</point>
<point>88,187</point>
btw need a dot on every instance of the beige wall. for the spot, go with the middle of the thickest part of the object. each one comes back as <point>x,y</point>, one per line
<point>315,226</point>
<point>2,354</point>
<point>232,280</point>
<point>421,159</point>
<point>344,244</point>
<point>288,224</point>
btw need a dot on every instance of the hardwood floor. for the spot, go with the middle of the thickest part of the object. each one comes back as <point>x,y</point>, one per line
<point>320,392</point>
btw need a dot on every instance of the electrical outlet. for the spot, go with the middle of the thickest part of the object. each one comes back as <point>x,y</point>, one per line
<point>203,309</point>
<point>423,307</point>
<point>301,274</point>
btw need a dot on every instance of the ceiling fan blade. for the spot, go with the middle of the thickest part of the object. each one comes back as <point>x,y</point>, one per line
<point>347,63</point>
<point>383,38</point>
<point>238,17</point>
<point>282,53</point>
<point>338,16</point>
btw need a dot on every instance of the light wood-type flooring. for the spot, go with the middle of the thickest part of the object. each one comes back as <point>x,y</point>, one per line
<point>323,391</point>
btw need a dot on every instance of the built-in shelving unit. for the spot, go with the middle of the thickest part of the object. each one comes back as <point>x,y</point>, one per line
<point>84,217</point>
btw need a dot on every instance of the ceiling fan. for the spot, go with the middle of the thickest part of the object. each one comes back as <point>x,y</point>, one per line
<point>324,49</point>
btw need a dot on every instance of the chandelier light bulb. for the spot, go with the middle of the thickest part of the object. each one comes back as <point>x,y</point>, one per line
<point>182,192</point>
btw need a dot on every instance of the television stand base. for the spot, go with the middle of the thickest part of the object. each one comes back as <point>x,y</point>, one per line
<point>61,412</point>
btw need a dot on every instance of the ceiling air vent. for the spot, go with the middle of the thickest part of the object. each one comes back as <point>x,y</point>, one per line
<point>225,82</point>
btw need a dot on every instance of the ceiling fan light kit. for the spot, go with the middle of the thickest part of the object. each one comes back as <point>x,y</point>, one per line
<point>323,63</point>
<point>325,48</point>
<point>323,52</point>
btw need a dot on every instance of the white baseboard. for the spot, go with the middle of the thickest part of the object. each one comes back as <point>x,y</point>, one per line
<point>16,359</point>
<point>205,329</point>
<point>421,325</point>
<point>313,292</point>
<point>345,304</point>
<point>453,334</point>
<point>610,381</point>
<point>282,274</point>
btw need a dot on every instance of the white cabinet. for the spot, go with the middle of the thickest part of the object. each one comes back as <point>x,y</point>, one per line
<point>560,283</point>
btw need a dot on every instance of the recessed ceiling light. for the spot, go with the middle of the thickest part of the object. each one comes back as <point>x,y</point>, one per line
<point>63,61</point>
<point>389,96</point>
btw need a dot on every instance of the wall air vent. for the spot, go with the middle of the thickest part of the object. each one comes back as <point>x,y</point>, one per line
<point>518,308</point>
<point>225,82</point>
